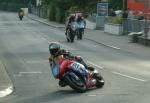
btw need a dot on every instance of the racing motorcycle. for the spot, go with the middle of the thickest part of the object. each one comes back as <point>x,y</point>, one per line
<point>71,32</point>
<point>21,14</point>
<point>77,77</point>
<point>80,30</point>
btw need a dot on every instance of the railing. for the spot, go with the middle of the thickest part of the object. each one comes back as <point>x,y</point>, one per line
<point>130,25</point>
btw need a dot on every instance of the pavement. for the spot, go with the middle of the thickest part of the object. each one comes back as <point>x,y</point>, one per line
<point>121,43</point>
<point>6,86</point>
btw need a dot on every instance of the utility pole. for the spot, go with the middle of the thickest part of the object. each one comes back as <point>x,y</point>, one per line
<point>123,4</point>
<point>146,29</point>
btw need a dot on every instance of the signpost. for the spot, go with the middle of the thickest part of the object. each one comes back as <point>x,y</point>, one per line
<point>146,29</point>
<point>102,9</point>
<point>102,12</point>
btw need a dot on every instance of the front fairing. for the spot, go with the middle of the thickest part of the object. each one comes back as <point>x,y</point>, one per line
<point>80,69</point>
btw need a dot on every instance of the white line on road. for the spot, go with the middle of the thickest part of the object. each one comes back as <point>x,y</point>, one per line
<point>111,46</point>
<point>131,77</point>
<point>20,74</point>
<point>6,92</point>
<point>30,72</point>
<point>100,67</point>
<point>37,61</point>
<point>138,79</point>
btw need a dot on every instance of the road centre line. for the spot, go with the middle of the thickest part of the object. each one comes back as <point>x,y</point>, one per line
<point>113,47</point>
<point>117,73</point>
<point>20,74</point>
<point>138,79</point>
<point>100,67</point>
<point>36,61</point>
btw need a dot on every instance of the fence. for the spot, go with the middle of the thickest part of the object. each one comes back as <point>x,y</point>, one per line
<point>129,25</point>
<point>39,11</point>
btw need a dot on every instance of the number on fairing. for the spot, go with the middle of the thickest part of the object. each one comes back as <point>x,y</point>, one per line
<point>76,66</point>
<point>79,67</point>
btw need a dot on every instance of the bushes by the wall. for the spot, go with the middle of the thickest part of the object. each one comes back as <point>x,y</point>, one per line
<point>60,15</point>
<point>52,12</point>
<point>45,11</point>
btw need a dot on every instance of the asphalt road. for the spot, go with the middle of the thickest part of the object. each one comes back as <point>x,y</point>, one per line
<point>24,51</point>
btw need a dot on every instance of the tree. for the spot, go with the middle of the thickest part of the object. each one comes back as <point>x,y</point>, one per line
<point>116,4</point>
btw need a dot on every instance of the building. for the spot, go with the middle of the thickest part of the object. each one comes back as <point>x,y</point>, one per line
<point>140,6</point>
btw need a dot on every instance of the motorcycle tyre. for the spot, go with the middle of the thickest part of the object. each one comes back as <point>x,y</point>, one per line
<point>80,35</point>
<point>21,17</point>
<point>99,81</point>
<point>68,35</point>
<point>79,89</point>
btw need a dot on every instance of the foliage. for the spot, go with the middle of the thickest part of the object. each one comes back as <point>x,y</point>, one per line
<point>117,4</point>
<point>82,5</point>
<point>60,15</point>
<point>52,12</point>
<point>12,5</point>
<point>117,20</point>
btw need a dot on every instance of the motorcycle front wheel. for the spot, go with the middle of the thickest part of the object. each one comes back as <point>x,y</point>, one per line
<point>76,83</point>
<point>99,81</point>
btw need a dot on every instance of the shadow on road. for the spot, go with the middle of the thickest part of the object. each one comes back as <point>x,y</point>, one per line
<point>51,97</point>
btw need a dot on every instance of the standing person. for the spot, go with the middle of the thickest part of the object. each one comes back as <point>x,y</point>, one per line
<point>125,14</point>
<point>125,23</point>
<point>130,14</point>
<point>130,20</point>
<point>112,13</point>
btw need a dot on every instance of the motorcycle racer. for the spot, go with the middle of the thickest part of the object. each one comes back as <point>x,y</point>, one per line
<point>57,55</point>
<point>70,22</point>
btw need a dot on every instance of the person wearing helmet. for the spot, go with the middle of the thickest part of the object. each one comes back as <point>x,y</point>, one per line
<point>57,54</point>
<point>70,21</point>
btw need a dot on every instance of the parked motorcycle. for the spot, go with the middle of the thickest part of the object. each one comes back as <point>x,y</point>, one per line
<point>71,32</point>
<point>77,77</point>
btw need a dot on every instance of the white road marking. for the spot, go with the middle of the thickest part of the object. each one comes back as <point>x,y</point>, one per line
<point>138,79</point>
<point>17,75</point>
<point>117,73</point>
<point>91,95</point>
<point>100,67</point>
<point>113,47</point>
<point>37,61</point>
<point>30,72</point>
<point>20,74</point>
<point>6,92</point>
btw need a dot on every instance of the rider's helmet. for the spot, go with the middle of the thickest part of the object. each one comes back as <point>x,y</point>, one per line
<point>54,49</point>
<point>72,17</point>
